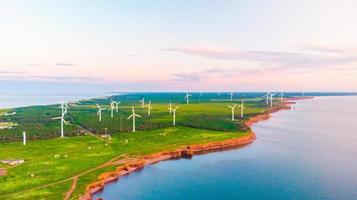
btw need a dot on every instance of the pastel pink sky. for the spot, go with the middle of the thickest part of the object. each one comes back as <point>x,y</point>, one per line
<point>307,45</point>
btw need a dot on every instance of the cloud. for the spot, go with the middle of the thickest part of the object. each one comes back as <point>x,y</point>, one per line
<point>273,58</point>
<point>185,77</point>
<point>35,65</point>
<point>64,64</point>
<point>65,79</point>
<point>323,48</point>
<point>61,79</point>
<point>135,55</point>
<point>9,72</point>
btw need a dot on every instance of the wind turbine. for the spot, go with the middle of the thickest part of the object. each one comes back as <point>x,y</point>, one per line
<point>149,107</point>
<point>62,121</point>
<point>111,108</point>
<point>232,109</point>
<point>24,137</point>
<point>266,96</point>
<point>117,105</point>
<point>231,96</point>
<point>174,115</point>
<point>242,109</point>
<point>187,97</point>
<point>170,107</point>
<point>64,107</point>
<point>142,102</point>
<point>281,97</point>
<point>271,99</point>
<point>99,113</point>
<point>133,116</point>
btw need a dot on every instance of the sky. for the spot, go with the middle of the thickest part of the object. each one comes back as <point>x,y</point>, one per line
<point>200,45</point>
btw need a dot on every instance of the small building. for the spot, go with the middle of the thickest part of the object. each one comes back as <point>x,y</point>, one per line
<point>10,114</point>
<point>12,162</point>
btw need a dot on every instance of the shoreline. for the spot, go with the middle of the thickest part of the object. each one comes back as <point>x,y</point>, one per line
<point>184,152</point>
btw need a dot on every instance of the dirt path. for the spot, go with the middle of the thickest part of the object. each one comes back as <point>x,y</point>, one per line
<point>109,163</point>
<point>73,187</point>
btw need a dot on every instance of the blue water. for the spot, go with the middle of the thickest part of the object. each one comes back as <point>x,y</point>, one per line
<point>14,100</point>
<point>309,152</point>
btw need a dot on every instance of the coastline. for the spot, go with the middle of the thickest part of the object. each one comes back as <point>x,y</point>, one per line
<point>184,152</point>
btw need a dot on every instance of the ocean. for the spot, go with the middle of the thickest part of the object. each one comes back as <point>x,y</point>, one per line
<point>14,100</point>
<point>308,152</point>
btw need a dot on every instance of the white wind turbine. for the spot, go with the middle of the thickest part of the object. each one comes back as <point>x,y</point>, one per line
<point>241,106</point>
<point>187,97</point>
<point>142,102</point>
<point>232,109</point>
<point>170,107</point>
<point>271,99</point>
<point>133,116</point>
<point>111,108</point>
<point>231,96</point>
<point>62,122</point>
<point>149,107</point>
<point>174,115</point>
<point>281,97</point>
<point>24,137</point>
<point>64,107</point>
<point>116,103</point>
<point>99,113</point>
<point>267,96</point>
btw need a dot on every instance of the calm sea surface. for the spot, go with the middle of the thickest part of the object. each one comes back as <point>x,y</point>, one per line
<point>309,152</point>
<point>20,100</point>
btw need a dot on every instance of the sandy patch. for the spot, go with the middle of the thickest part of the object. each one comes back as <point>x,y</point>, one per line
<point>3,172</point>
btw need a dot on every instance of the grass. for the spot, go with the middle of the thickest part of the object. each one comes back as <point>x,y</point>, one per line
<point>54,161</point>
<point>40,158</point>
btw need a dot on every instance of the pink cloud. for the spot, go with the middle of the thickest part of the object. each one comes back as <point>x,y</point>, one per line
<point>274,58</point>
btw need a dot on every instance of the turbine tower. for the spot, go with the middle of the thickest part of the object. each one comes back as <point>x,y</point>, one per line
<point>149,107</point>
<point>271,99</point>
<point>174,115</point>
<point>62,122</point>
<point>232,109</point>
<point>281,97</point>
<point>242,109</point>
<point>187,97</point>
<point>24,137</point>
<point>231,96</point>
<point>142,102</point>
<point>99,113</point>
<point>170,107</point>
<point>133,116</point>
<point>117,105</point>
<point>267,96</point>
<point>111,108</point>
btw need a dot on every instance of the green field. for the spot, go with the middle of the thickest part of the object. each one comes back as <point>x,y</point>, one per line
<point>51,162</point>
